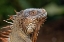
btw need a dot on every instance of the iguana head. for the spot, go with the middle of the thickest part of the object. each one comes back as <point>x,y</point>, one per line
<point>33,17</point>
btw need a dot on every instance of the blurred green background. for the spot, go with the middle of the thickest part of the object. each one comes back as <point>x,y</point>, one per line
<point>53,29</point>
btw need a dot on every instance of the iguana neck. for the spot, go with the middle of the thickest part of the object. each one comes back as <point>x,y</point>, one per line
<point>17,35</point>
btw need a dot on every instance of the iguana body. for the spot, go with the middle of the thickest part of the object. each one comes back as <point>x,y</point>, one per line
<point>26,25</point>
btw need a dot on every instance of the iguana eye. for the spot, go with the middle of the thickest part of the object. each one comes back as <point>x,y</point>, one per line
<point>33,12</point>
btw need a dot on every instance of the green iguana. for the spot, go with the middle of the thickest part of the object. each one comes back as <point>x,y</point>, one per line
<point>24,26</point>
